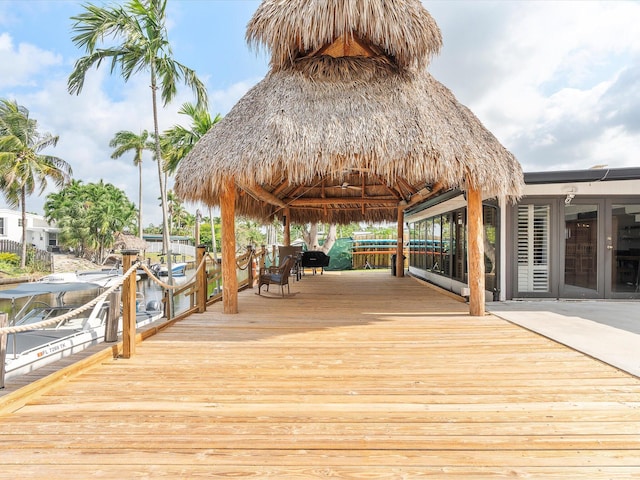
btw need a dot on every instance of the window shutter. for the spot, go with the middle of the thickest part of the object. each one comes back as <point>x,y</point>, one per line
<point>533,248</point>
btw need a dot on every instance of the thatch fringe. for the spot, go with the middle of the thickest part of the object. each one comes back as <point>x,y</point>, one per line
<point>403,29</point>
<point>296,127</point>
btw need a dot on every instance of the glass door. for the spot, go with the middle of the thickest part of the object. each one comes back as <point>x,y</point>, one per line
<point>624,244</point>
<point>582,251</point>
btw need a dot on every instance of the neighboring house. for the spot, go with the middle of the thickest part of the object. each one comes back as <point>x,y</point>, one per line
<point>180,245</point>
<point>39,232</point>
<point>574,234</point>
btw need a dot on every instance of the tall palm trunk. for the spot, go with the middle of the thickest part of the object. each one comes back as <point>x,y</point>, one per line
<point>140,198</point>
<point>23,196</point>
<point>166,234</point>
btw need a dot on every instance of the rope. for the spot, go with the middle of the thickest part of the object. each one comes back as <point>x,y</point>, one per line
<point>248,259</point>
<point>173,287</point>
<point>72,313</point>
<point>106,293</point>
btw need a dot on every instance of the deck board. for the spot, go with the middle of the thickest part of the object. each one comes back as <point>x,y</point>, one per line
<point>356,375</point>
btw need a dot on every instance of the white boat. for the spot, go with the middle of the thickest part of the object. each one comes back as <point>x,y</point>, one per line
<point>104,278</point>
<point>177,269</point>
<point>30,350</point>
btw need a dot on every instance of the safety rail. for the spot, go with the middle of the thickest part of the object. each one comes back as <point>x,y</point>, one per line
<point>203,289</point>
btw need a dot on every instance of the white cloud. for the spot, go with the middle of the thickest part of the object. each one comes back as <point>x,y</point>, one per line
<point>221,101</point>
<point>19,65</point>
<point>542,76</point>
<point>87,122</point>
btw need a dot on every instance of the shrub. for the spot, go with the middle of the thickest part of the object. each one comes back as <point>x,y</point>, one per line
<point>10,258</point>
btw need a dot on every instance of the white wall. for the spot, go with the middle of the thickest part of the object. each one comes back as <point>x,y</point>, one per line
<point>37,228</point>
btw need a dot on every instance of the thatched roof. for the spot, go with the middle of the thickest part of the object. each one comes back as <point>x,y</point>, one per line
<point>126,241</point>
<point>401,29</point>
<point>347,133</point>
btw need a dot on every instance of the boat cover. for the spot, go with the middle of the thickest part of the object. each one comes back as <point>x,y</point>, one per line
<point>36,288</point>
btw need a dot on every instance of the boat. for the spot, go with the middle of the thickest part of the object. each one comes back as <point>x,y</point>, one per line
<point>177,269</point>
<point>30,350</point>
<point>104,278</point>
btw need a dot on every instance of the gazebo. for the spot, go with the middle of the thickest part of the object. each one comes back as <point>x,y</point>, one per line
<point>348,125</point>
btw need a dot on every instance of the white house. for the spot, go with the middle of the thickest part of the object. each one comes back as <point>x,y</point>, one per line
<point>39,232</point>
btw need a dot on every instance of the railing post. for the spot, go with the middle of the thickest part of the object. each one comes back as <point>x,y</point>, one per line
<point>263,256</point>
<point>4,322</point>
<point>203,288</point>
<point>128,306</point>
<point>113,318</point>
<point>250,252</point>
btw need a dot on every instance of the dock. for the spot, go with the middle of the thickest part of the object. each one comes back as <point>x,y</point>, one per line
<point>353,375</point>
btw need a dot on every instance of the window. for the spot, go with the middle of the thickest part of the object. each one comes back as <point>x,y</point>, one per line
<point>444,244</point>
<point>2,226</point>
<point>533,248</point>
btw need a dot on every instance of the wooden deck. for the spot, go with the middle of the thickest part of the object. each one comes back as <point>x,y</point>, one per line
<point>356,375</point>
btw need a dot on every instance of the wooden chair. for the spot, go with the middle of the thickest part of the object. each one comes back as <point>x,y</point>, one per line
<point>296,253</point>
<point>277,275</point>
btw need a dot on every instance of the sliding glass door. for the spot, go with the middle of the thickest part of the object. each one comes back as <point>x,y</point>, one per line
<point>624,245</point>
<point>582,256</point>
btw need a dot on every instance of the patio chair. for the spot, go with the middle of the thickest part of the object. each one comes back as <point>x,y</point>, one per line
<point>296,252</point>
<point>277,275</point>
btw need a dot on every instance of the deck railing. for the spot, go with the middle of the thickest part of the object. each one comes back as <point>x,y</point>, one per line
<point>202,289</point>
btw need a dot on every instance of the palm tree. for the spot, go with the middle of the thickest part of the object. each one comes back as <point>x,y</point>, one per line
<point>141,43</point>
<point>178,141</point>
<point>22,167</point>
<point>125,141</point>
<point>90,216</point>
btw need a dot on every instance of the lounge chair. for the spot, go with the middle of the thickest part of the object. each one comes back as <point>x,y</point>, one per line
<point>277,275</point>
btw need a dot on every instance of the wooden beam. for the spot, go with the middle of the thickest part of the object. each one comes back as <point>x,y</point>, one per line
<point>475,252</point>
<point>424,194</point>
<point>400,244</point>
<point>287,226</point>
<point>392,191</point>
<point>307,202</point>
<point>347,45</point>
<point>408,187</point>
<point>229,277</point>
<point>280,188</point>
<point>362,192</point>
<point>261,194</point>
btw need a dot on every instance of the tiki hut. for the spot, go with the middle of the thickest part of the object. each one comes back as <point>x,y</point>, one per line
<point>348,125</point>
<point>126,241</point>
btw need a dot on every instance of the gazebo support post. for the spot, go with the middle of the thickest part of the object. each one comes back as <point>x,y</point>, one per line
<point>287,227</point>
<point>400,244</point>
<point>229,278</point>
<point>475,253</point>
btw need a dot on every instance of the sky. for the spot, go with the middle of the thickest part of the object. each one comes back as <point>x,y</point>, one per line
<point>557,82</point>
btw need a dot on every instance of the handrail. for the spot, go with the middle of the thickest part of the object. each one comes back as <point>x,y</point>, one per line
<point>202,276</point>
<point>71,313</point>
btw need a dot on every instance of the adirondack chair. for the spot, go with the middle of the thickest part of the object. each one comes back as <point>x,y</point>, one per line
<point>277,275</point>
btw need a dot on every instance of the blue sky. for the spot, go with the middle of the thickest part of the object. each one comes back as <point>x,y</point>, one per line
<point>557,82</point>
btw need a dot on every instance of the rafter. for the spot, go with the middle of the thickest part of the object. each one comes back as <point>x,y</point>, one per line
<point>424,194</point>
<point>261,194</point>
<point>302,202</point>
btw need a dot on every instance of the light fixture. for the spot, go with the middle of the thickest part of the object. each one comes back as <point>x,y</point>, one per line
<point>571,194</point>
